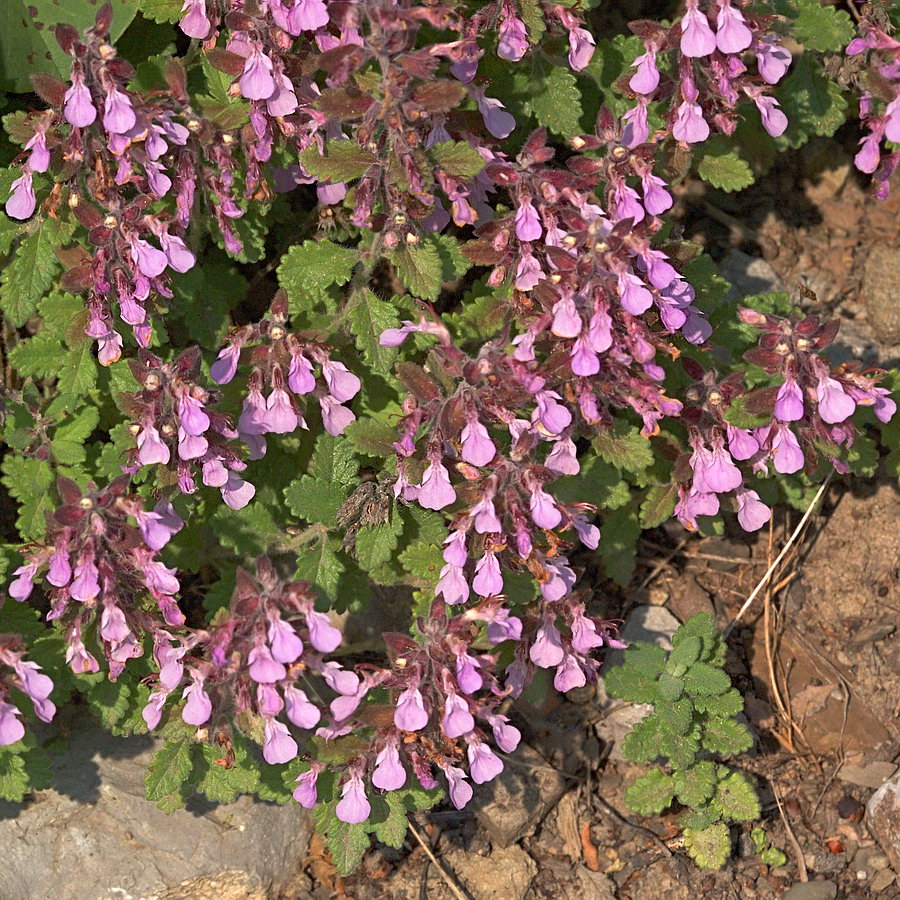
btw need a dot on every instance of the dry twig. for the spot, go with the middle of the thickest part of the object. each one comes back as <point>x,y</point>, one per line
<point>457,891</point>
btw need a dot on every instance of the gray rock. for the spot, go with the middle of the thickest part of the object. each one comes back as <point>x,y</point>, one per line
<point>880,279</point>
<point>595,885</point>
<point>811,890</point>
<point>504,875</point>
<point>653,625</point>
<point>883,819</point>
<point>882,881</point>
<point>94,836</point>
<point>872,775</point>
<point>748,275</point>
<point>513,804</point>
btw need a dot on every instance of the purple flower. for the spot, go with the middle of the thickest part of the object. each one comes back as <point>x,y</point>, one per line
<point>503,627</point>
<point>697,38</point>
<point>554,417</point>
<point>198,708</point>
<point>149,261</point>
<point>732,33</point>
<point>588,534</point>
<point>774,120</point>
<point>488,582</point>
<point>22,586</point>
<point>635,129</point>
<point>497,120</point>
<point>300,375</point>
<point>467,675</point>
<point>452,585</point>
<point>11,728</point>
<point>225,366</point>
<point>477,446</point>
<point>546,652</point>
<point>152,712</point>
<point>285,645</point>
<point>236,492</point>
<point>305,792</point>
<point>118,113</point>
<point>322,634</point>
<point>262,667</point>
<point>789,401</point>
<point>410,714</point>
<point>689,125</point>
<point>335,417</point>
<point>656,198</point>
<point>752,512</point>
<point>869,155</point>
<point>741,444</point>
<point>389,774</point>
<point>79,109</point>
<point>484,764</point>
<point>343,385</point>
<point>720,475</point>
<point>280,417</point>
<point>633,294</point>
<point>513,37</point>
<point>353,807</point>
<point>528,224</point>
<point>195,24</point>
<point>566,321</point>
<point>581,48</point>
<point>786,450</point>
<point>544,511</point>
<point>60,572</point>
<point>180,258</point>
<point>457,719</point>
<point>646,79</point>
<point>299,709</point>
<point>86,585</point>
<point>569,675</point>
<point>436,492</point>
<point>507,736</point>
<point>772,59</point>
<point>22,201</point>
<point>278,745</point>
<point>485,516</point>
<point>562,459</point>
<point>834,404</point>
<point>256,81</point>
<point>307,15</point>
<point>460,789</point>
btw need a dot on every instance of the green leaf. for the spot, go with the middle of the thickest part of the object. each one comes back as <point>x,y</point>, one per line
<point>371,438</point>
<point>223,785</point>
<point>709,847</point>
<point>618,547</point>
<point>720,164</point>
<point>812,103</point>
<point>14,782</point>
<point>643,743</point>
<point>676,717</point>
<point>168,771</point>
<point>706,680</point>
<point>623,447</point>
<point>822,28</point>
<point>728,704</point>
<point>27,42</point>
<point>736,798</point>
<point>393,828</point>
<point>347,843</point>
<point>597,482</point>
<point>556,101</point>
<point>345,161</point>
<point>28,480</point>
<point>375,545</point>
<point>420,269</point>
<point>738,415</point>
<point>30,274</point>
<point>250,531</point>
<point>637,679</point>
<point>423,562</point>
<point>670,687</point>
<point>320,565</point>
<point>308,269</point>
<point>161,10</point>
<point>454,264</point>
<point>658,505</point>
<point>109,701</point>
<point>651,793</point>
<point>67,445</point>
<point>457,158</point>
<point>313,500</point>
<point>696,784</point>
<point>680,748</point>
<point>686,653</point>
<point>367,317</point>
<point>334,460</point>
<point>725,736</point>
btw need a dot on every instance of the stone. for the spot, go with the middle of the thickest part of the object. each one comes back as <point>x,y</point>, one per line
<point>748,275</point>
<point>881,275</point>
<point>595,885</point>
<point>93,835</point>
<point>811,890</point>
<point>653,625</point>
<point>512,805</point>
<point>883,880</point>
<point>883,819</point>
<point>689,599</point>
<point>504,875</point>
<point>873,775</point>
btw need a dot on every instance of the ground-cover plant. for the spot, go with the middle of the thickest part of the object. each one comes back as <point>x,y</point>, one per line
<point>310,305</point>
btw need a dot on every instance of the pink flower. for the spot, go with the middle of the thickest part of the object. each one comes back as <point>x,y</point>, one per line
<point>646,79</point>
<point>353,807</point>
<point>198,708</point>
<point>436,492</point>
<point>774,120</point>
<point>256,81</point>
<point>484,764</point>
<point>335,417</point>
<point>305,792</point>
<point>497,120</point>
<point>343,385</point>
<point>389,774</point>
<point>834,404</point>
<point>689,125</point>
<point>457,719</point>
<point>544,511</point>
<point>195,24</point>
<point>581,48</point>
<point>752,512</point>
<point>732,33</point>
<point>513,37</point>
<point>11,728</point>
<point>118,113</point>
<point>278,745</point>
<point>460,790</point>
<point>546,652</point>
<point>410,714</point>
<point>772,59</point>
<point>22,201</point>
<point>477,446</point>
<point>262,667</point>
<point>788,401</point>
<point>79,109</point>
<point>697,38</point>
<point>299,709</point>
<point>236,492</point>
<point>286,648</point>
<point>528,225</point>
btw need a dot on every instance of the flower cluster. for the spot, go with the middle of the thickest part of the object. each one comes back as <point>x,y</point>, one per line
<point>809,417</point>
<point>248,663</point>
<point>99,567</point>
<point>705,77</point>
<point>175,426</point>
<point>25,676</point>
<point>282,359</point>
<point>879,106</point>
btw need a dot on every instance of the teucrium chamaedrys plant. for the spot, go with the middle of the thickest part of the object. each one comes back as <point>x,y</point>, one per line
<point>485,346</point>
<point>693,719</point>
